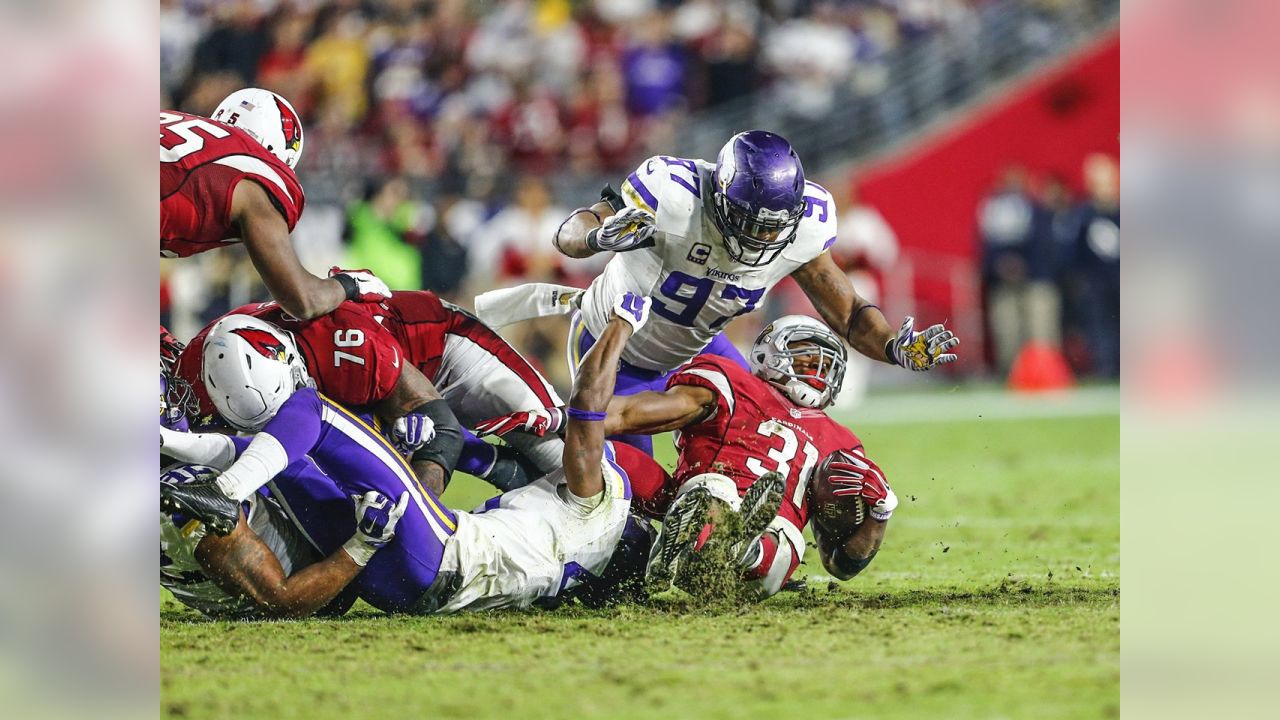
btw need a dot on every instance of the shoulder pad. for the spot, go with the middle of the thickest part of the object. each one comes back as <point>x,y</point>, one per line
<point>817,230</point>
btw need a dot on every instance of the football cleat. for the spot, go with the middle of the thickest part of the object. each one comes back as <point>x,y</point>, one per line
<point>201,500</point>
<point>760,505</point>
<point>680,530</point>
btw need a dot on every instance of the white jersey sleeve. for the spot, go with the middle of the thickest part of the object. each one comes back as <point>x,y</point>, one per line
<point>817,230</point>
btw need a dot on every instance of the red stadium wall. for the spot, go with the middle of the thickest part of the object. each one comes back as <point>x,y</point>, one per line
<point>930,192</point>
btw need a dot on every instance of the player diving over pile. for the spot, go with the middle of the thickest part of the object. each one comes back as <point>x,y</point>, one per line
<point>229,178</point>
<point>706,242</point>
<point>520,547</point>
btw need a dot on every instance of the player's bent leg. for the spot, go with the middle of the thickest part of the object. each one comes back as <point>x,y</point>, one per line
<point>683,525</point>
<point>485,377</point>
<point>759,508</point>
<point>770,563</point>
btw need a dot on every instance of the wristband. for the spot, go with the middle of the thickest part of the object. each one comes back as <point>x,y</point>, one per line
<point>349,285</point>
<point>888,353</point>
<point>591,239</point>
<point>359,551</point>
<point>585,415</point>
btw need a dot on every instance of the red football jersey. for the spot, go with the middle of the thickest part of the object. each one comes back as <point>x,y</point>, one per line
<point>756,429</point>
<point>352,358</point>
<point>201,161</point>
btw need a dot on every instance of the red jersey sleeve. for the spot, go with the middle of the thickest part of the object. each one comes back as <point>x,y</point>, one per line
<point>351,356</point>
<point>716,374</point>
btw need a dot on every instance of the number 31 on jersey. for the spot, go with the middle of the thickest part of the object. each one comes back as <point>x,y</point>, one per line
<point>784,457</point>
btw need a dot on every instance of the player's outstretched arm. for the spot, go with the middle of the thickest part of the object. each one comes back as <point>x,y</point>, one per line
<point>646,413</point>
<point>241,564</point>
<point>846,558</point>
<point>301,294</point>
<point>864,326</point>
<point>571,238</point>
<point>649,413</point>
<point>592,389</point>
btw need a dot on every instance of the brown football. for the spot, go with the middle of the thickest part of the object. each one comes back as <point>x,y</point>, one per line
<point>837,516</point>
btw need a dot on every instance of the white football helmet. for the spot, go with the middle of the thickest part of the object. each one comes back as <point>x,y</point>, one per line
<point>269,118</point>
<point>250,368</point>
<point>793,337</point>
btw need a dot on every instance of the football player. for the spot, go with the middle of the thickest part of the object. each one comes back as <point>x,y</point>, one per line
<point>266,566</point>
<point>254,136</point>
<point>410,349</point>
<point>707,242</point>
<point>355,361</point>
<point>736,427</point>
<point>521,546</point>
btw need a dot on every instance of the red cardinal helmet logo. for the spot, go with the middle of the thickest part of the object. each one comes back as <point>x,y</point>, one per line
<point>265,343</point>
<point>290,126</point>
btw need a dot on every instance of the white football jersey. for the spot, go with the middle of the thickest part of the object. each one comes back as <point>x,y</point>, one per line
<point>535,541</point>
<point>695,286</point>
<point>181,573</point>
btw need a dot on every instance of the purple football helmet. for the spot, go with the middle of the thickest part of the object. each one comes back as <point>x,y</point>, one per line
<point>758,198</point>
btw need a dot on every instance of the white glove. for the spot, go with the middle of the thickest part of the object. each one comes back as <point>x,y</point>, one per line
<point>376,520</point>
<point>628,230</point>
<point>411,432</point>
<point>921,350</point>
<point>633,308</point>
<point>360,285</point>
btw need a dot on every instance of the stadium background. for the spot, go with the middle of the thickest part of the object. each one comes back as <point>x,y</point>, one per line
<point>970,145</point>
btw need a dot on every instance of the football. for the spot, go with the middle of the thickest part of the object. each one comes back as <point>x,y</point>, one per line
<point>837,516</point>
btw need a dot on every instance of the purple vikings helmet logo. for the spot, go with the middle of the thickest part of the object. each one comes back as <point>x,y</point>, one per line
<point>758,198</point>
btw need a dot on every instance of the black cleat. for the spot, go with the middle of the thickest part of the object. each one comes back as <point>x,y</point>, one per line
<point>680,529</point>
<point>201,500</point>
<point>760,505</point>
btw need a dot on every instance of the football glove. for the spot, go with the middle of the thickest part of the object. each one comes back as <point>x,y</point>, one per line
<point>376,519</point>
<point>921,350</point>
<point>630,229</point>
<point>360,285</point>
<point>535,422</point>
<point>411,432</point>
<point>632,308</point>
<point>857,475</point>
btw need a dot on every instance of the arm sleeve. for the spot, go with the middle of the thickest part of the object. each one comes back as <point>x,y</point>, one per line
<point>289,436</point>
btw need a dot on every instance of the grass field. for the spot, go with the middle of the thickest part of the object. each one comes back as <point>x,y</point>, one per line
<point>996,595</point>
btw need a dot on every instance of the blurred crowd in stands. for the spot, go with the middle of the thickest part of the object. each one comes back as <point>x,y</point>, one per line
<point>438,131</point>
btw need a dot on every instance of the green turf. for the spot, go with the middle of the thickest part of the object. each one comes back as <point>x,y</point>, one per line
<point>996,595</point>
